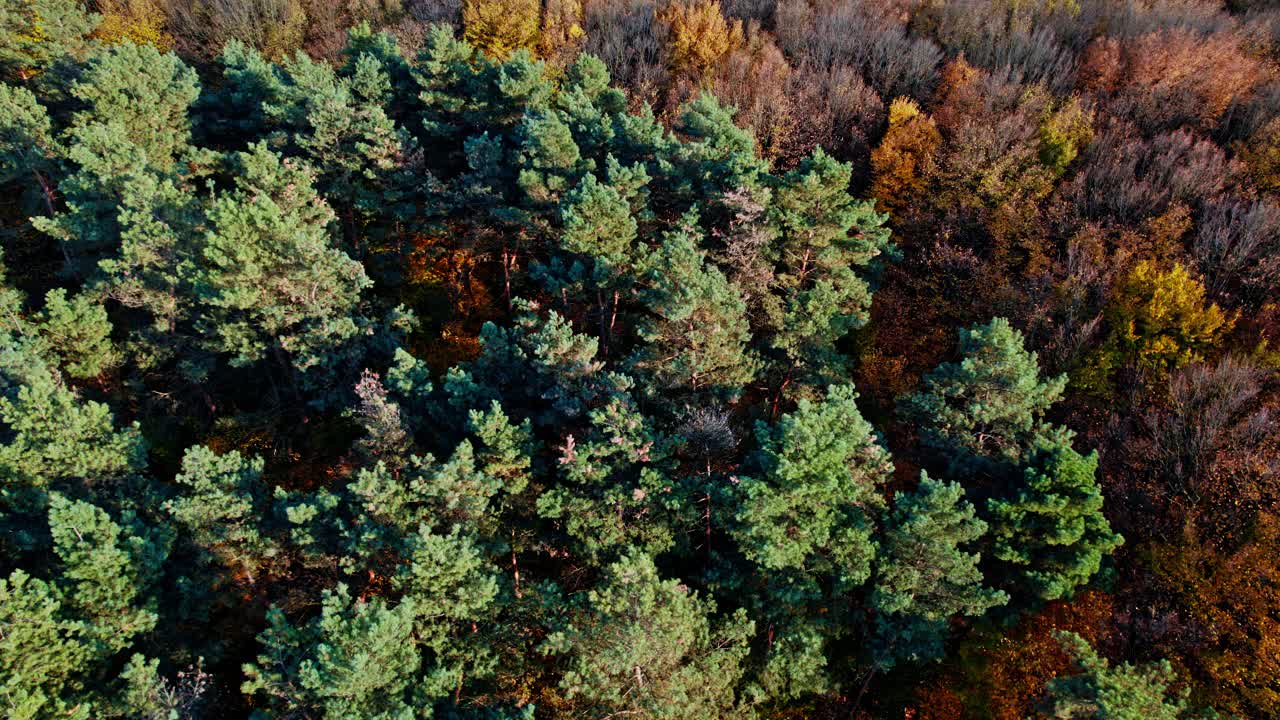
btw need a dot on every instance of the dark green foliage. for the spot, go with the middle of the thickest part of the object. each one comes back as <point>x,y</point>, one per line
<point>989,404</point>
<point>925,576</point>
<point>696,334</point>
<point>77,332</point>
<point>806,522</point>
<point>824,236</point>
<point>643,645</point>
<point>539,369</point>
<point>1050,530</point>
<point>401,385</point>
<point>221,503</point>
<point>357,660</point>
<point>813,504</point>
<point>269,274</point>
<point>64,633</point>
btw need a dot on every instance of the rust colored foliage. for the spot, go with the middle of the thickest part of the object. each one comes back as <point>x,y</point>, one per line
<point>1231,595</point>
<point>1005,674</point>
<point>1173,78</point>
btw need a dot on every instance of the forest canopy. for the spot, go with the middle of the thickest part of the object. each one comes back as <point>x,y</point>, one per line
<point>515,359</point>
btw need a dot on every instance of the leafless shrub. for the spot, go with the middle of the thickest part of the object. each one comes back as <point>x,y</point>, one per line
<point>1132,18</point>
<point>1014,43</point>
<point>1126,179</point>
<point>759,10</point>
<point>448,12</point>
<point>203,27</point>
<point>1237,247</point>
<point>1179,78</point>
<point>864,36</point>
<point>708,435</point>
<point>1211,407</point>
<point>834,109</point>
<point>754,79</point>
<point>628,37</point>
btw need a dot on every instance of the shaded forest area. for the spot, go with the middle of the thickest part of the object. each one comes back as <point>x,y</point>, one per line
<point>629,359</point>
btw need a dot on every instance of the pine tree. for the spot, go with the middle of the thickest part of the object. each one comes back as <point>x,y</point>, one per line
<point>616,490</point>
<point>142,95</point>
<point>924,576</point>
<point>505,449</point>
<point>549,160</point>
<point>126,144</point>
<point>390,507</point>
<point>1103,691</point>
<point>990,403</point>
<point>107,577</point>
<point>646,646</point>
<point>443,73</point>
<point>1050,531</point>
<point>29,153</point>
<point>717,155</point>
<point>538,369</point>
<point>805,520</point>
<point>454,588</point>
<point>60,649</point>
<point>824,237</point>
<point>598,224</point>
<point>812,505</point>
<point>269,279</point>
<point>696,332</point>
<point>78,333</point>
<point>54,439</point>
<point>386,435</point>
<point>43,653</point>
<point>339,121</point>
<point>358,660</point>
<point>34,34</point>
<point>222,505</point>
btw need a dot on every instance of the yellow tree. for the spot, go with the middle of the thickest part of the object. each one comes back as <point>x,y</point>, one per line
<point>700,35</point>
<point>141,22</point>
<point>562,32</point>
<point>500,27</point>
<point>1159,321</point>
<point>905,159</point>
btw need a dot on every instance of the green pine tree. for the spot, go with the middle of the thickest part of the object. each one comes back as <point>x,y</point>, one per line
<point>1102,691</point>
<point>813,503</point>
<point>991,403</point>
<point>269,279</point>
<point>924,577</point>
<point>825,237</point>
<point>695,333</point>
<point>222,505</point>
<point>78,333</point>
<point>640,645</point>
<point>357,660</point>
<point>38,33</point>
<point>1049,531</point>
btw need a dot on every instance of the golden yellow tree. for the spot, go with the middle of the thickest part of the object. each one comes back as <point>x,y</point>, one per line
<point>500,27</point>
<point>700,35</point>
<point>141,22</point>
<point>905,159</point>
<point>1159,321</point>
<point>562,32</point>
